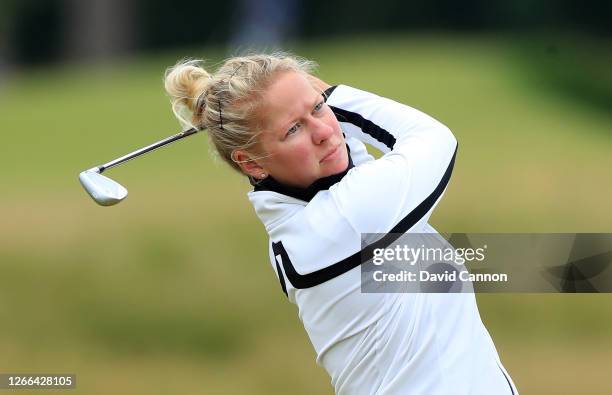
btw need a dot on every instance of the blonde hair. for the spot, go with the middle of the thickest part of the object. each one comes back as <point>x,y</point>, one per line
<point>225,103</point>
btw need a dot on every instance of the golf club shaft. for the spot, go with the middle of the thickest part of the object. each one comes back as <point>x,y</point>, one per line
<point>146,149</point>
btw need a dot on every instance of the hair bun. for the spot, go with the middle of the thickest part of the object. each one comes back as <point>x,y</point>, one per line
<point>185,82</point>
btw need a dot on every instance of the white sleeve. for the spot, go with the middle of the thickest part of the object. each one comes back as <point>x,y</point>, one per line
<point>396,191</point>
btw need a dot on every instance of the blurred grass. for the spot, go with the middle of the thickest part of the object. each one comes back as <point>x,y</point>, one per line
<point>172,292</point>
<point>571,65</point>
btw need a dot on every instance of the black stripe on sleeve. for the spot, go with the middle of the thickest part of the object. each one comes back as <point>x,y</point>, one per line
<point>301,281</point>
<point>327,93</point>
<point>278,249</point>
<point>365,125</point>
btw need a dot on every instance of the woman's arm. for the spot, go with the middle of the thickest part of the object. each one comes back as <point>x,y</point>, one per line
<point>406,183</point>
<point>383,122</point>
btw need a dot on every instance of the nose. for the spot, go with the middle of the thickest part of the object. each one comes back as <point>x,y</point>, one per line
<point>320,131</point>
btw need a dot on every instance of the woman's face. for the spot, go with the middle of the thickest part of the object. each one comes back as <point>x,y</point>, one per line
<point>301,138</point>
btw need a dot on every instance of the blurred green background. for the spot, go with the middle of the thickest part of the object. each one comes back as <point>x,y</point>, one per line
<point>172,291</point>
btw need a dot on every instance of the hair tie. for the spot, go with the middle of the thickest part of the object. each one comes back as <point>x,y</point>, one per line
<point>219,100</point>
<point>220,114</point>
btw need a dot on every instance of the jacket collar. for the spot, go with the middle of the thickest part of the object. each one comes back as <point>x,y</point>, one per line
<point>305,194</point>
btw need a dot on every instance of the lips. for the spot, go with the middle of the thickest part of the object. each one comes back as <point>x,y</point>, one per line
<point>331,154</point>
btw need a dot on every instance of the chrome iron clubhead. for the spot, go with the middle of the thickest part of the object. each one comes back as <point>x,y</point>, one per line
<point>102,189</point>
<point>107,192</point>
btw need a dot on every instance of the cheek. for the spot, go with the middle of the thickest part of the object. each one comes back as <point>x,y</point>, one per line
<point>294,155</point>
<point>302,152</point>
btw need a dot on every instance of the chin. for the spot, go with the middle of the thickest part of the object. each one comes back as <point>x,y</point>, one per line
<point>339,166</point>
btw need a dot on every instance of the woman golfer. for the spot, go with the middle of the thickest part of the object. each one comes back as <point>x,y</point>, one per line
<point>317,190</point>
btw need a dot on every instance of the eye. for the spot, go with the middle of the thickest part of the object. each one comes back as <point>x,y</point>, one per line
<point>319,106</point>
<point>293,129</point>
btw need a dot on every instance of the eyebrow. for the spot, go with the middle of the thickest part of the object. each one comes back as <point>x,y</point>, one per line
<point>293,119</point>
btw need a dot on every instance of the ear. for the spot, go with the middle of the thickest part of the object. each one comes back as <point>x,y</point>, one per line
<point>248,165</point>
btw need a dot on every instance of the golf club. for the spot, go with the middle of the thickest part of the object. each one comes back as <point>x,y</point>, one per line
<point>107,192</point>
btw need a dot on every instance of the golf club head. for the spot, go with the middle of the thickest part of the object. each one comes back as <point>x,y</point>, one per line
<point>102,189</point>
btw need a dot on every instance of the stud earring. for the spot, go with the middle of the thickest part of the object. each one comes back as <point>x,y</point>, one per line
<point>263,175</point>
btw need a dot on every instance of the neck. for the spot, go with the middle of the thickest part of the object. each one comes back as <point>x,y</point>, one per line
<point>306,194</point>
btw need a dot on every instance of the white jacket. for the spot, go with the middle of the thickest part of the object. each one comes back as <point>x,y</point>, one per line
<point>383,343</point>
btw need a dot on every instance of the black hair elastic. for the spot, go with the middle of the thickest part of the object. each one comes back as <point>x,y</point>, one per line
<point>220,114</point>
<point>219,100</point>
